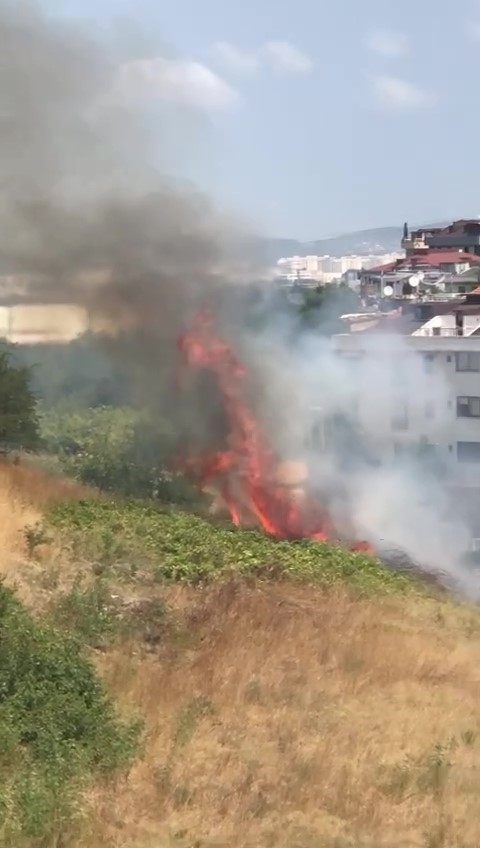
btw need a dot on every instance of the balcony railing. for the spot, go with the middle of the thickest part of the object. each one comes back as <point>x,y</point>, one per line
<point>442,331</point>
<point>414,244</point>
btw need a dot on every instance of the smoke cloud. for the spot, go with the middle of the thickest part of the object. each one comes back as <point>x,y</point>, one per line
<point>88,217</point>
<point>343,416</point>
<point>85,211</point>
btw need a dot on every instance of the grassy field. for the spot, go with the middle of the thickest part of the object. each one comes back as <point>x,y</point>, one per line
<point>291,695</point>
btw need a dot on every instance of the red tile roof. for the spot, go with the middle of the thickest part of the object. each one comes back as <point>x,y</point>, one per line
<point>382,269</point>
<point>441,257</point>
<point>429,257</point>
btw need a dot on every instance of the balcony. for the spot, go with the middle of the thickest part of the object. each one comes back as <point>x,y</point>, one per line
<point>414,244</point>
<point>432,332</point>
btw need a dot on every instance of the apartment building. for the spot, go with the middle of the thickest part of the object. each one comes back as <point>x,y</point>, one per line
<point>327,269</point>
<point>420,388</point>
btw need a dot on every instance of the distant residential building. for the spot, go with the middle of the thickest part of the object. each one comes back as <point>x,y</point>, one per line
<point>43,323</point>
<point>439,267</point>
<point>326,269</point>
<point>462,235</point>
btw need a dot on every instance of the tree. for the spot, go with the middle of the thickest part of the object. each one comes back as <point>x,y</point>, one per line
<point>19,426</point>
<point>87,372</point>
<point>322,308</point>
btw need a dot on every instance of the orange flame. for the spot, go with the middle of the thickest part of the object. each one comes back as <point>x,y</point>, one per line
<point>245,473</point>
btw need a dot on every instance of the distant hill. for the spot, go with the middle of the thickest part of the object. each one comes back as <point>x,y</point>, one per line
<point>361,242</point>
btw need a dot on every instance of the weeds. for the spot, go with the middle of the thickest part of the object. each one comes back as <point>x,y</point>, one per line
<point>34,537</point>
<point>428,774</point>
<point>188,719</point>
<point>87,614</point>
<point>469,737</point>
<point>175,545</point>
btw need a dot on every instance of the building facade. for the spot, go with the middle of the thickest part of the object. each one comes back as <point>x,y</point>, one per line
<point>463,235</point>
<point>433,398</point>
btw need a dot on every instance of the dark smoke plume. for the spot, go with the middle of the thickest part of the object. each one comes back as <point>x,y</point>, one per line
<point>86,216</point>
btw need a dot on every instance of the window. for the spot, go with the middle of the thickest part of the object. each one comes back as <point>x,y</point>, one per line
<point>423,312</point>
<point>426,451</point>
<point>400,417</point>
<point>468,407</point>
<point>467,361</point>
<point>428,359</point>
<point>399,371</point>
<point>468,451</point>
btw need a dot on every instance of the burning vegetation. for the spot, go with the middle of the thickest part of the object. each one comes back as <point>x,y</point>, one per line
<point>246,477</point>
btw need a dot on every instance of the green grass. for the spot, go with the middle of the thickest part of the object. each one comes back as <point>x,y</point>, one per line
<point>58,728</point>
<point>176,545</point>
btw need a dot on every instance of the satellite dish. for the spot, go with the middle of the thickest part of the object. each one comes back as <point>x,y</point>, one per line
<point>414,281</point>
<point>388,291</point>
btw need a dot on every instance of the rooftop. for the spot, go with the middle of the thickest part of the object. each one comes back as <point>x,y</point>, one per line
<point>429,259</point>
<point>418,317</point>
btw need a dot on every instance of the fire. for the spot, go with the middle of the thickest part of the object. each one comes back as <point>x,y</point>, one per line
<point>246,474</point>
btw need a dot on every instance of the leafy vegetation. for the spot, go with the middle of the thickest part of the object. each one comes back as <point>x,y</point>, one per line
<point>57,727</point>
<point>18,413</point>
<point>115,449</point>
<point>322,307</point>
<point>176,545</point>
<point>87,614</point>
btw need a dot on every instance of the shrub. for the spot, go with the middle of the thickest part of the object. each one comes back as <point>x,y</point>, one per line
<point>57,726</point>
<point>87,614</point>
<point>116,450</point>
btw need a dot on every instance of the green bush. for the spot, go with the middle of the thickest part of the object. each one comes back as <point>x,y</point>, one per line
<point>57,726</point>
<point>116,449</point>
<point>178,545</point>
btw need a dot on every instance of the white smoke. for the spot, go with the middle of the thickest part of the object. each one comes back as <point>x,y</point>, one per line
<point>398,504</point>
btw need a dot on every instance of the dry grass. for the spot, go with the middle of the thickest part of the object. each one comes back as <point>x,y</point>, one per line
<point>283,717</point>
<point>35,487</point>
<point>294,717</point>
<point>25,492</point>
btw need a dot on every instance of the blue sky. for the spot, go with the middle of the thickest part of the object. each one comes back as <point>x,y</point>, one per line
<point>321,117</point>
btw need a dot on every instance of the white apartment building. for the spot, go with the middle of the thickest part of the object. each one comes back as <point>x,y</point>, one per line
<point>327,269</point>
<point>421,389</point>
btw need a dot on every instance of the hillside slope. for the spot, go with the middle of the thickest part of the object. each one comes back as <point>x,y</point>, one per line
<point>359,242</point>
<point>280,707</point>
